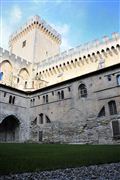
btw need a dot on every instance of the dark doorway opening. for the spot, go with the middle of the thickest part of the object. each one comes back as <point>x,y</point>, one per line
<point>9,129</point>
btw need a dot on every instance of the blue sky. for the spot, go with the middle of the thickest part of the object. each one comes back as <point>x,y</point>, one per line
<point>77,21</point>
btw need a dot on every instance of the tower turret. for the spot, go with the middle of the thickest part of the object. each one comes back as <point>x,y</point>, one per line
<point>35,41</point>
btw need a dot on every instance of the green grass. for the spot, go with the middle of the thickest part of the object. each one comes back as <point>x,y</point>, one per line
<point>17,158</point>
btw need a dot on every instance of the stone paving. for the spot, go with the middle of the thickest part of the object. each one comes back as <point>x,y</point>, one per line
<point>93,172</point>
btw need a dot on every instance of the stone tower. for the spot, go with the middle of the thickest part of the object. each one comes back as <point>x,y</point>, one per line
<point>35,41</point>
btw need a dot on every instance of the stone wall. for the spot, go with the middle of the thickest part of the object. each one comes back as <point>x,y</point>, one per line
<point>76,119</point>
<point>19,109</point>
<point>80,110</point>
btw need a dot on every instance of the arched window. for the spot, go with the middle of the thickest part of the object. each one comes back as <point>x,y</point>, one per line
<point>82,90</point>
<point>118,79</point>
<point>112,107</point>
<point>62,94</point>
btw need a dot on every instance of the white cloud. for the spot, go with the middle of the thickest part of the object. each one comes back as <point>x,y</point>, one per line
<point>65,44</point>
<point>64,30</point>
<point>16,14</point>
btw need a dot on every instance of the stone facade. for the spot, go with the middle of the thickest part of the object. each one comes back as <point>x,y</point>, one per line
<point>61,113</point>
<point>73,97</point>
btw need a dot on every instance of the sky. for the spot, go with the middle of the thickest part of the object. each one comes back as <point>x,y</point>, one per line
<point>78,21</point>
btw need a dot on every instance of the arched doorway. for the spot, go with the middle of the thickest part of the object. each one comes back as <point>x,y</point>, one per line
<point>9,129</point>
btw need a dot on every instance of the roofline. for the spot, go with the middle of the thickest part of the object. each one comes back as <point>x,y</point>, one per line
<point>78,78</point>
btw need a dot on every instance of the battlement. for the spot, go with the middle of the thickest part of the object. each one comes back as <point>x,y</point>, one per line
<point>84,51</point>
<point>37,22</point>
<point>7,55</point>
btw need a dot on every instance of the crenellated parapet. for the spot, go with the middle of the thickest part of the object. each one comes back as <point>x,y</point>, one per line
<point>7,55</point>
<point>36,22</point>
<point>91,51</point>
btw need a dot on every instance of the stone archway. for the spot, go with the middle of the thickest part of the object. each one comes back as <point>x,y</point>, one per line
<point>9,129</point>
<point>7,69</point>
<point>24,74</point>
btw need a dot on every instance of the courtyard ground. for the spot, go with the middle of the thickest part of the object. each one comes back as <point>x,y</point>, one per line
<point>18,158</point>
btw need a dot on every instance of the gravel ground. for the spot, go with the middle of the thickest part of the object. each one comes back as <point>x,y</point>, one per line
<point>98,172</point>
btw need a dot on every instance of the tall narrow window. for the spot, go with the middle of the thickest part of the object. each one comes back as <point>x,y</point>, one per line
<point>41,118</point>
<point>109,77</point>
<point>69,89</point>
<point>43,99</point>
<point>10,99</point>
<point>46,98</point>
<point>17,80</point>
<point>33,102</point>
<point>118,79</point>
<point>13,100</point>
<point>82,90</point>
<point>116,129</point>
<point>112,107</point>
<point>25,84</point>
<point>62,94</point>
<point>58,95</point>
<point>24,44</point>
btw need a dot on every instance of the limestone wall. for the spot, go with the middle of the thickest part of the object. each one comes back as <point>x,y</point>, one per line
<point>19,109</point>
<point>75,119</point>
<point>61,114</point>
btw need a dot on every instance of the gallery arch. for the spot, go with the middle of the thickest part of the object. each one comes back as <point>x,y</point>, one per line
<point>82,90</point>
<point>7,72</point>
<point>9,129</point>
<point>24,74</point>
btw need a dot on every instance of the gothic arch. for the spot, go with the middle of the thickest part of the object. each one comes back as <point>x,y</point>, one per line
<point>7,69</point>
<point>4,62</point>
<point>9,129</point>
<point>82,89</point>
<point>24,74</point>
